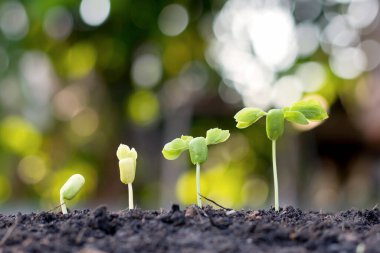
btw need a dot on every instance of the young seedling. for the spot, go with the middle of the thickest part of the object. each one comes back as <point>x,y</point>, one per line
<point>198,151</point>
<point>70,189</point>
<point>127,165</point>
<point>300,112</point>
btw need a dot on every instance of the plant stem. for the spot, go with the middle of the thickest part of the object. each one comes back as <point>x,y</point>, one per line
<point>275,179</point>
<point>130,193</point>
<point>63,205</point>
<point>198,177</point>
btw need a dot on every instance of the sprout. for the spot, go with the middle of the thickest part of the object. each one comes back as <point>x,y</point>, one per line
<point>198,150</point>
<point>127,166</point>
<point>70,189</point>
<point>300,112</point>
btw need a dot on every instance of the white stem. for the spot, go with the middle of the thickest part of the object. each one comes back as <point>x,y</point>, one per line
<point>275,180</point>
<point>63,205</point>
<point>130,193</point>
<point>198,177</point>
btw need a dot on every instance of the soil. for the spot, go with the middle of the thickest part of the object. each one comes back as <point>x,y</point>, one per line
<point>192,230</point>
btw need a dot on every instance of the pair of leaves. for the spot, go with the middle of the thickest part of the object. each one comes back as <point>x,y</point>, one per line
<point>304,111</point>
<point>197,146</point>
<point>300,112</point>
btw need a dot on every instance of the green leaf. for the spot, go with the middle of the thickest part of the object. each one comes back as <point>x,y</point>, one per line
<point>275,124</point>
<point>296,117</point>
<point>187,139</point>
<point>173,149</point>
<point>216,135</point>
<point>311,109</point>
<point>247,116</point>
<point>198,150</point>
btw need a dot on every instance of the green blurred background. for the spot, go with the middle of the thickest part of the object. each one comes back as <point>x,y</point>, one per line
<point>77,78</point>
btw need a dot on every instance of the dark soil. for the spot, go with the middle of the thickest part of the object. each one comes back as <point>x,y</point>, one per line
<point>192,230</point>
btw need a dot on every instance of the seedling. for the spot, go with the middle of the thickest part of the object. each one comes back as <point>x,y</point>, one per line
<point>70,189</point>
<point>198,151</point>
<point>300,112</point>
<point>127,165</point>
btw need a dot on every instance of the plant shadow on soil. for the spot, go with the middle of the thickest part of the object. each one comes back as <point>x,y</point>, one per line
<point>191,230</point>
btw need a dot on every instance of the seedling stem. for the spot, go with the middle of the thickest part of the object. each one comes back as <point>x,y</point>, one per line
<point>130,193</point>
<point>63,205</point>
<point>275,179</point>
<point>198,177</point>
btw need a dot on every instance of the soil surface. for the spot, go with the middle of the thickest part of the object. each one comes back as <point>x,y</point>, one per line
<point>192,230</point>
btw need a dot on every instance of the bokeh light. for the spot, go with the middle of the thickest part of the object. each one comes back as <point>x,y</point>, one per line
<point>14,21</point>
<point>173,20</point>
<point>68,102</point>
<point>147,70</point>
<point>58,23</point>
<point>32,169</point>
<point>94,12</point>
<point>143,107</point>
<point>361,14</point>
<point>348,63</point>
<point>312,75</point>
<point>219,183</point>
<point>307,38</point>
<point>371,48</point>
<point>80,60</point>
<point>287,90</point>
<point>19,136</point>
<point>85,122</point>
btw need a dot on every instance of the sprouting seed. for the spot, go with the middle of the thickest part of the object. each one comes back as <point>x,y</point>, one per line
<point>127,166</point>
<point>70,189</point>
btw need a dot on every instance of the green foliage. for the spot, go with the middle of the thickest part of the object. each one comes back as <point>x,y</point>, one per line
<point>174,149</point>
<point>296,117</point>
<point>275,124</point>
<point>311,109</point>
<point>248,116</point>
<point>197,146</point>
<point>300,112</point>
<point>198,150</point>
<point>216,135</point>
<point>186,138</point>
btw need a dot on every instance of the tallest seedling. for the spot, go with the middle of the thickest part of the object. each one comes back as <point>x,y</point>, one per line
<point>300,112</point>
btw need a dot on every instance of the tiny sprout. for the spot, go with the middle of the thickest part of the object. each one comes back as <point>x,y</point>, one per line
<point>300,112</point>
<point>70,189</point>
<point>198,150</point>
<point>127,166</point>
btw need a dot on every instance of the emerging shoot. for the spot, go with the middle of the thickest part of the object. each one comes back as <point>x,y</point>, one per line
<point>300,112</point>
<point>70,189</point>
<point>127,166</point>
<point>198,151</point>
